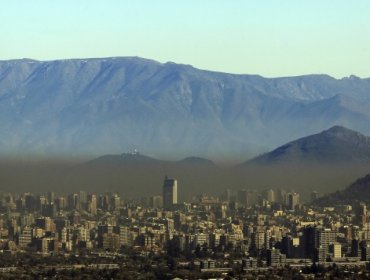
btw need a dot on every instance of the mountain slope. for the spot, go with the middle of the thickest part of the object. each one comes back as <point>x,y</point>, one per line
<point>136,159</point>
<point>196,161</point>
<point>334,146</point>
<point>359,191</point>
<point>126,159</point>
<point>109,105</point>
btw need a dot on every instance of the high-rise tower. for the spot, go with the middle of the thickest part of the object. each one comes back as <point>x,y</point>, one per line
<point>169,193</point>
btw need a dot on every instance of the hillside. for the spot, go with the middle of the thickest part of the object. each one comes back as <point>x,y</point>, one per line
<point>90,107</point>
<point>337,145</point>
<point>359,191</point>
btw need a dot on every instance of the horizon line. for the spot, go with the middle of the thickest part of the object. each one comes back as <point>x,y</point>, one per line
<point>183,64</point>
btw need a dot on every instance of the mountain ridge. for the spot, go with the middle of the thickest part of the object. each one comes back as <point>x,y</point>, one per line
<point>358,191</point>
<point>136,158</point>
<point>335,145</point>
<point>29,59</point>
<point>106,105</point>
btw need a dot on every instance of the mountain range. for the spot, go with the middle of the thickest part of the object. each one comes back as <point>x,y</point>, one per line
<point>336,145</point>
<point>110,105</point>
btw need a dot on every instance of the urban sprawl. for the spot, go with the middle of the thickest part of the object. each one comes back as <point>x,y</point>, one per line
<point>243,232</point>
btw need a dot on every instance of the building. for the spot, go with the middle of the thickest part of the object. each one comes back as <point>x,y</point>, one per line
<point>291,247</point>
<point>355,248</point>
<point>74,201</point>
<point>275,258</point>
<point>227,196</point>
<point>320,255</point>
<point>361,213</point>
<point>316,242</point>
<point>125,238</point>
<point>61,203</point>
<point>82,198</point>
<point>292,200</point>
<point>201,239</point>
<point>156,201</point>
<point>326,237</point>
<point>25,238</point>
<point>259,239</point>
<point>309,241</point>
<point>92,204</point>
<point>207,264</point>
<point>51,197</point>
<point>269,195</point>
<point>46,245</point>
<point>248,198</point>
<point>46,223</point>
<point>111,241</point>
<point>335,250</point>
<point>169,193</point>
<point>49,209</point>
<point>249,263</point>
<point>116,201</point>
<point>365,253</point>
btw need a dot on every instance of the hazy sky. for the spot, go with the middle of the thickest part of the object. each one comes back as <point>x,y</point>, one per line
<point>267,37</point>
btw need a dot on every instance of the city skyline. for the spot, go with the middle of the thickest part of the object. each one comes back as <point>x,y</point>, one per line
<point>241,232</point>
<point>258,111</point>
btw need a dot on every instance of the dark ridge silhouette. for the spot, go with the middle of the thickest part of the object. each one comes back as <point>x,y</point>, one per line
<point>196,161</point>
<point>337,145</point>
<point>359,191</point>
<point>126,159</point>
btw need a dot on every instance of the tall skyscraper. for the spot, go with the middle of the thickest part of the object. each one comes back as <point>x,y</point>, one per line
<point>271,195</point>
<point>92,207</point>
<point>169,193</point>
<point>74,201</point>
<point>292,200</point>
<point>51,197</point>
<point>361,213</point>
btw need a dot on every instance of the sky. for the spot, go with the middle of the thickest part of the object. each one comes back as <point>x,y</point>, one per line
<point>267,37</point>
